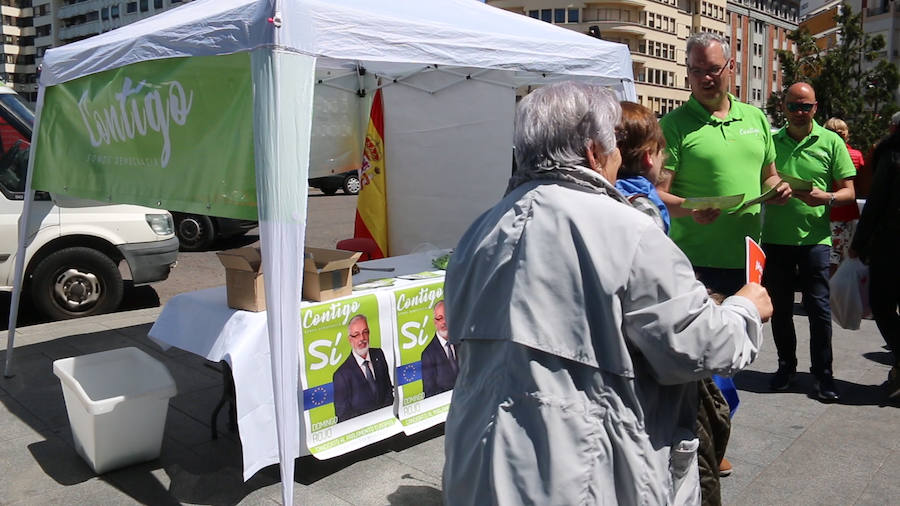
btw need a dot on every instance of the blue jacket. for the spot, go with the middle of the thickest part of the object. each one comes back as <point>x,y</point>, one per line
<point>640,185</point>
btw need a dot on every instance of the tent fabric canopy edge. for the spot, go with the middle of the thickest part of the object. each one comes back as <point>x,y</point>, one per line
<point>353,33</point>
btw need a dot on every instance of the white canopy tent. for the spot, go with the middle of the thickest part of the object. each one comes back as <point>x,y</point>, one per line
<point>449,69</point>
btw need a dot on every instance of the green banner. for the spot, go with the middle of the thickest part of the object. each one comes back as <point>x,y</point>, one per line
<point>175,134</point>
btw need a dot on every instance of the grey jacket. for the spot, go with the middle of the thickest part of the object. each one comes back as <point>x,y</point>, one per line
<point>581,329</point>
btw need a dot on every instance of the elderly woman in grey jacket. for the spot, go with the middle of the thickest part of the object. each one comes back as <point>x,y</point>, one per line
<point>580,329</point>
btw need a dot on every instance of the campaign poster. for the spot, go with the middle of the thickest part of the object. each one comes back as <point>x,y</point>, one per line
<point>346,371</point>
<point>426,368</point>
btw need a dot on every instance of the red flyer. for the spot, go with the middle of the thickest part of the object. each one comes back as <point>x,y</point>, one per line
<point>756,261</point>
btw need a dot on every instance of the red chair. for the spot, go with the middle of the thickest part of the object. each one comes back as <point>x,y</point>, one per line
<point>366,246</point>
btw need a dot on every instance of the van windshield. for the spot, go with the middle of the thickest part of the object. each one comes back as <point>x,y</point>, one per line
<point>15,106</point>
<point>16,123</point>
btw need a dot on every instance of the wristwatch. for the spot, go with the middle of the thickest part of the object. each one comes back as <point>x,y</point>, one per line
<point>830,200</point>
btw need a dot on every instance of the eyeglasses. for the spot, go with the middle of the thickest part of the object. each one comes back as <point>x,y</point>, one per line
<point>797,106</point>
<point>711,72</point>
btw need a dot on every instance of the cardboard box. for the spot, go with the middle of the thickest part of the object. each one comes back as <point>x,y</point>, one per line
<point>244,278</point>
<point>326,273</point>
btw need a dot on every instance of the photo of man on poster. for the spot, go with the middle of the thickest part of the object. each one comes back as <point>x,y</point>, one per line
<point>439,366</point>
<point>361,383</point>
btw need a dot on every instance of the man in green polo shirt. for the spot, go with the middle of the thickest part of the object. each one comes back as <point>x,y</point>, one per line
<point>716,146</point>
<point>797,236</point>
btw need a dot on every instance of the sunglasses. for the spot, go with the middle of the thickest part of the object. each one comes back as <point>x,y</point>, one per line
<point>797,106</point>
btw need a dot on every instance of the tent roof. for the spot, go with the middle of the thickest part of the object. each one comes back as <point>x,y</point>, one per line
<point>386,36</point>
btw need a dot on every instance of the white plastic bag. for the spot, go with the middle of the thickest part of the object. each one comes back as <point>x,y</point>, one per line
<point>847,285</point>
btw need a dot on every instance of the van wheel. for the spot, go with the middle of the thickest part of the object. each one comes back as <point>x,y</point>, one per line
<point>75,282</point>
<point>195,231</point>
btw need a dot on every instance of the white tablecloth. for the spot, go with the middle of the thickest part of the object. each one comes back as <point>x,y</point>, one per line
<point>202,323</point>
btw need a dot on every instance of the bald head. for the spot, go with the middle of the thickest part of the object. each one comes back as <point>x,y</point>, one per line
<point>798,91</point>
<point>800,108</point>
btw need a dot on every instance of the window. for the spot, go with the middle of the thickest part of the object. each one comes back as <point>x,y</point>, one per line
<point>573,16</point>
<point>157,4</point>
<point>145,5</point>
<point>114,11</point>
<point>534,13</point>
<point>104,13</point>
<point>559,16</point>
<point>547,15</point>
<point>131,7</point>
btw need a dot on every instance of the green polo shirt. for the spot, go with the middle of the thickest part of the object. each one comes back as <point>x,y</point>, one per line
<point>717,157</point>
<point>821,157</point>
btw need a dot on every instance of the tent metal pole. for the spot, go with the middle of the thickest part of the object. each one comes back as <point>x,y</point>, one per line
<point>24,218</point>
<point>18,274</point>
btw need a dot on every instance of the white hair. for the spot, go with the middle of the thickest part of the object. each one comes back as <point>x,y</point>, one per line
<point>554,124</point>
<point>895,118</point>
<point>704,39</point>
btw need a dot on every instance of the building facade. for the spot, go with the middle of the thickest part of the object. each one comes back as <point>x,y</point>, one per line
<point>879,17</point>
<point>756,29</point>
<point>58,22</point>
<point>18,47</point>
<point>656,32</point>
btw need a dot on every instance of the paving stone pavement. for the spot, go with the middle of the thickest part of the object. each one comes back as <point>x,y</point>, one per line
<point>786,447</point>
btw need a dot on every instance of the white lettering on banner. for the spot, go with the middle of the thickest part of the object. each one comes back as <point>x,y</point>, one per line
<point>314,350</point>
<point>408,330</point>
<point>335,311</point>
<point>119,123</point>
<point>424,295</point>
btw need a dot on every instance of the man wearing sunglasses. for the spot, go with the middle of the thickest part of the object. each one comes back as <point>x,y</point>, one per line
<point>716,146</point>
<point>797,236</point>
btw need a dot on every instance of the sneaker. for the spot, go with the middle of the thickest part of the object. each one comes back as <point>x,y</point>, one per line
<point>782,379</point>
<point>725,467</point>
<point>893,382</point>
<point>825,389</point>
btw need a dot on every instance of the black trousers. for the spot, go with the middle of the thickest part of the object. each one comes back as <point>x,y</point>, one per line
<point>810,263</point>
<point>884,297</point>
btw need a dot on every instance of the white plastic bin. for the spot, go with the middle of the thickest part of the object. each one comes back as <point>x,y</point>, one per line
<point>117,402</point>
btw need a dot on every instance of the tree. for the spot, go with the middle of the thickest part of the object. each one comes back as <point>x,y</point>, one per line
<point>853,81</point>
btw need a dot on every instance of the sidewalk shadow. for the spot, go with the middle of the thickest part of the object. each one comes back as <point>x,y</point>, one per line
<point>421,495</point>
<point>880,357</point>
<point>310,469</point>
<point>192,468</point>
<point>200,471</point>
<point>852,394</point>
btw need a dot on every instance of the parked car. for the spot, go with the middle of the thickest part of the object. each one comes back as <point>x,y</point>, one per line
<point>347,181</point>
<point>197,232</point>
<point>75,247</point>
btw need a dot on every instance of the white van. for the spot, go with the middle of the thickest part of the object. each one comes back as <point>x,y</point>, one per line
<point>72,262</point>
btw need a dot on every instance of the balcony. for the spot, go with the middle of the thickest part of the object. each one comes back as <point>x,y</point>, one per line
<point>78,31</point>
<point>621,28</point>
<point>619,3</point>
<point>81,8</point>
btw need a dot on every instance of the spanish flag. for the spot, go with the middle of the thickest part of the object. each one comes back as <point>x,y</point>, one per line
<point>371,205</point>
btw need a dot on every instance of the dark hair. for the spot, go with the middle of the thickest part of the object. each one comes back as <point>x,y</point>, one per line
<point>639,133</point>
